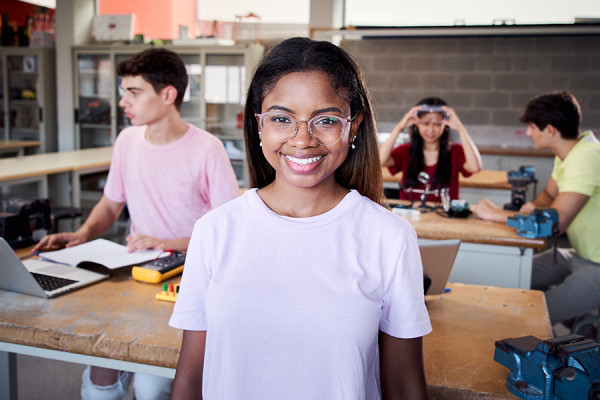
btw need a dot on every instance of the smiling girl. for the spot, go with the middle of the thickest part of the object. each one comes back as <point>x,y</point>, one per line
<point>430,150</point>
<point>305,287</point>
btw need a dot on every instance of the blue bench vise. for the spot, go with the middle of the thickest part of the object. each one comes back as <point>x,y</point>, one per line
<point>518,181</point>
<point>541,223</point>
<point>563,368</point>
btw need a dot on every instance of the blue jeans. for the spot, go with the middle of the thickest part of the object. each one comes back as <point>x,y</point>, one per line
<point>146,387</point>
<point>572,285</point>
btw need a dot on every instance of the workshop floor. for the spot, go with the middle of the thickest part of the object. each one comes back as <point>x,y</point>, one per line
<point>40,378</point>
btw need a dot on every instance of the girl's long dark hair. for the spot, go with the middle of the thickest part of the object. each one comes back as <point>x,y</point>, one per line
<point>361,169</point>
<point>417,160</point>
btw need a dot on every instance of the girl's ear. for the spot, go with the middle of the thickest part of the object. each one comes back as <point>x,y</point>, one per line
<point>355,124</point>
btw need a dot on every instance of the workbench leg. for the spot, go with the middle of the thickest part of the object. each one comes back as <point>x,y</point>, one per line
<point>8,375</point>
<point>62,189</point>
<point>526,268</point>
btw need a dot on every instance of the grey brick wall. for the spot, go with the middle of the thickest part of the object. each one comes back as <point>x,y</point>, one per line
<point>487,80</point>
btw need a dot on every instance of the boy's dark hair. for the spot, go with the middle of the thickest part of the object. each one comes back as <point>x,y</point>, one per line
<point>559,109</point>
<point>361,169</point>
<point>417,160</point>
<point>160,68</point>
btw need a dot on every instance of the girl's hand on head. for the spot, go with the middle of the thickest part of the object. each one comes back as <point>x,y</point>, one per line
<point>410,118</point>
<point>452,119</point>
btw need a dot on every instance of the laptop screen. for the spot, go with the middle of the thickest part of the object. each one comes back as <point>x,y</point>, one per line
<point>438,258</point>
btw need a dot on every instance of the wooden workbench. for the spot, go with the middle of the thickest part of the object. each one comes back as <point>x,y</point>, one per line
<point>485,179</point>
<point>117,323</point>
<point>515,151</point>
<point>490,253</point>
<point>54,163</point>
<point>118,319</point>
<point>18,147</point>
<point>466,323</point>
<point>488,183</point>
<point>63,169</point>
<point>431,225</point>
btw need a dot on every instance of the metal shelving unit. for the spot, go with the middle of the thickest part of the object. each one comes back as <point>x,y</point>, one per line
<point>214,100</point>
<point>28,96</point>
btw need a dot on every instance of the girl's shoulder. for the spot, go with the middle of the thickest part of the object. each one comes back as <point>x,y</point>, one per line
<point>403,149</point>
<point>455,148</point>
<point>379,217</point>
<point>231,209</point>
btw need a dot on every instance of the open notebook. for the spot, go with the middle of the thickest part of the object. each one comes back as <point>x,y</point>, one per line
<point>438,258</point>
<point>40,278</point>
<point>100,254</point>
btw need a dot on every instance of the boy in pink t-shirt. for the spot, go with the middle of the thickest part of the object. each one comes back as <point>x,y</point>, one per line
<point>168,172</point>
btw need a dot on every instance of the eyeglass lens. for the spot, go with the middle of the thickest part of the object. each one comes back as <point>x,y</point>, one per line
<point>325,129</point>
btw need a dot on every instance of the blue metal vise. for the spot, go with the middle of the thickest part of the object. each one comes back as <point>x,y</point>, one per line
<point>526,173</point>
<point>563,368</point>
<point>541,223</point>
<point>518,181</point>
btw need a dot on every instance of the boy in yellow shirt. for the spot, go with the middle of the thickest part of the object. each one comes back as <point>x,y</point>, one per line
<point>572,284</point>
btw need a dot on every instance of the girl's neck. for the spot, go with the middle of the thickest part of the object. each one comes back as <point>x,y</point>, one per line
<point>431,152</point>
<point>431,147</point>
<point>291,201</point>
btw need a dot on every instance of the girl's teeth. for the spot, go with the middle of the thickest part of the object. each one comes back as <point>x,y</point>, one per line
<point>303,161</point>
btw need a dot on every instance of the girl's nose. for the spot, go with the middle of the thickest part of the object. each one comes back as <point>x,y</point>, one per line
<point>302,136</point>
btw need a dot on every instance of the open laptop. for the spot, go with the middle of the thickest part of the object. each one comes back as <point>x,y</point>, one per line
<point>41,278</point>
<point>438,258</point>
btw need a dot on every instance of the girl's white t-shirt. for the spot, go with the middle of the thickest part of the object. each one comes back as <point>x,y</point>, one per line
<point>292,307</point>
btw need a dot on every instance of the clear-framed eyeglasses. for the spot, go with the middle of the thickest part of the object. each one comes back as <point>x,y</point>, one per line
<point>429,122</point>
<point>326,130</point>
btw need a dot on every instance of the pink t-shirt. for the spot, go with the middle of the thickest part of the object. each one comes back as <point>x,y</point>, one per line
<point>292,307</point>
<point>168,187</point>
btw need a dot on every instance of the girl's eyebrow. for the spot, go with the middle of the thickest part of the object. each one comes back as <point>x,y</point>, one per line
<point>280,108</point>
<point>316,112</point>
<point>328,109</point>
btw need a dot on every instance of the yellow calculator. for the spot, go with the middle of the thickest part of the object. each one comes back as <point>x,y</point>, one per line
<point>158,270</point>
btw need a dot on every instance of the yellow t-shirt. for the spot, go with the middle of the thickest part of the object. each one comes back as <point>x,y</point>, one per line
<point>579,172</point>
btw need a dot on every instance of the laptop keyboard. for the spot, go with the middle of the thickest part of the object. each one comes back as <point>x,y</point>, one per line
<point>49,283</point>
